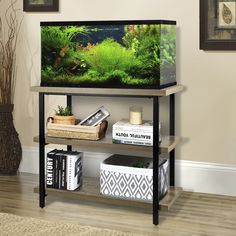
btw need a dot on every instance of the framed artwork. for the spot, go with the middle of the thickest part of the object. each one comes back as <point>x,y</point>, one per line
<point>40,5</point>
<point>218,24</point>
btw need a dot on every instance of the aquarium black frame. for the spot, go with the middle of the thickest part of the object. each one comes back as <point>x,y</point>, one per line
<point>107,22</point>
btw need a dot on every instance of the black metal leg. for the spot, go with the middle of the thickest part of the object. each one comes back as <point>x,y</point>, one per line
<point>172,133</point>
<point>41,151</point>
<point>155,160</point>
<point>69,101</point>
<point>69,104</point>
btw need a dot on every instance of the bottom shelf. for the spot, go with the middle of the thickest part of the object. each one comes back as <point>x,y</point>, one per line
<point>90,191</point>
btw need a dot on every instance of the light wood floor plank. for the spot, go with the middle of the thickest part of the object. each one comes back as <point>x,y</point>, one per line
<point>193,214</point>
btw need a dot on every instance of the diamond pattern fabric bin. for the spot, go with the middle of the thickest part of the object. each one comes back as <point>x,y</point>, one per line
<point>119,178</point>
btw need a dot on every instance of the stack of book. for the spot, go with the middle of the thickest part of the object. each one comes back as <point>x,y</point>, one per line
<point>126,133</point>
<point>64,169</point>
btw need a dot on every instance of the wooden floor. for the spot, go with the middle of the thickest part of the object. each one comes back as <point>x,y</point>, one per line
<point>192,214</point>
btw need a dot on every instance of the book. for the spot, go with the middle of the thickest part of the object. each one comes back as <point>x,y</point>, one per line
<point>64,169</point>
<point>50,169</point>
<point>74,170</point>
<point>124,132</point>
<point>124,124</point>
<point>63,180</point>
<point>56,169</point>
<point>132,142</point>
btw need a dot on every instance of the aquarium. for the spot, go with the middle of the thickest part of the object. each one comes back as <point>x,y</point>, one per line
<point>109,54</point>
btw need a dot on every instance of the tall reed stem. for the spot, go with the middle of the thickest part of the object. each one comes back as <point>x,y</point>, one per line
<point>8,39</point>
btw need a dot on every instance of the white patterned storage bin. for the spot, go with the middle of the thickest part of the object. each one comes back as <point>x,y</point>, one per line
<point>119,177</point>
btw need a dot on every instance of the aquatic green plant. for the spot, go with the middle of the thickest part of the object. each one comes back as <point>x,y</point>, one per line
<point>144,40</point>
<point>131,37</point>
<point>137,81</point>
<point>93,73</point>
<point>116,75</point>
<point>139,69</point>
<point>73,63</point>
<point>59,47</point>
<point>57,37</point>
<point>135,33</point>
<point>168,46</point>
<point>48,72</point>
<point>148,55</point>
<point>109,56</point>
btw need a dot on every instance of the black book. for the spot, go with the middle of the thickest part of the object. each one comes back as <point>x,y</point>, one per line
<point>57,169</point>
<point>63,163</point>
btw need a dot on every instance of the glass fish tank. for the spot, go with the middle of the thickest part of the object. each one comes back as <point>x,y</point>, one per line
<point>109,54</point>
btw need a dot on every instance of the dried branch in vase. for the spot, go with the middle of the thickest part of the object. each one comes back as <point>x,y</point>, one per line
<point>9,31</point>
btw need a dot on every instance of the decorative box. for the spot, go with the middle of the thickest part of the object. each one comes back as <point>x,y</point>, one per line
<point>77,131</point>
<point>120,177</point>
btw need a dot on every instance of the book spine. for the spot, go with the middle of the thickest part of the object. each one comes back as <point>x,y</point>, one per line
<point>69,172</point>
<point>74,171</point>
<point>126,135</point>
<point>132,142</point>
<point>133,128</point>
<point>63,172</point>
<point>140,131</point>
<point>50,170</point>
<point>57,171</point>
<point>78,172</point>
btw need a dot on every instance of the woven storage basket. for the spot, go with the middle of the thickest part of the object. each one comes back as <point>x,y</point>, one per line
<point>77,131</point>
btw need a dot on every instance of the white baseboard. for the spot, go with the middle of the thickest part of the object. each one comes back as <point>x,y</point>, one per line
<point>206,177</point>
<point>193,176</point>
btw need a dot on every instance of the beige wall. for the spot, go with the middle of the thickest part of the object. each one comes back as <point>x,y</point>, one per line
<point>205,112</point>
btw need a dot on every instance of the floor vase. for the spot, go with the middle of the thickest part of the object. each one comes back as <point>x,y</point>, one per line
<point>10,146</point>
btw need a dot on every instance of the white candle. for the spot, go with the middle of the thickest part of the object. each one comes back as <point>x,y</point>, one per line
<point>135,115</point>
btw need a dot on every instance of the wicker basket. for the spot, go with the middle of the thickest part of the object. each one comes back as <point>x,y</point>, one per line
<point>77,131</point>
<point>65,120</point>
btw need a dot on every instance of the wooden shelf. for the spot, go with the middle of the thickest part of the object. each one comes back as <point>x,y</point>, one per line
<point>108,92</point>
<point>105,145</point>
<point>167,202</point>
<point>90,191</point>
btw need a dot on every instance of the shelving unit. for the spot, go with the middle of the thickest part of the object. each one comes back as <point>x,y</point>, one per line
<point>90,189</point>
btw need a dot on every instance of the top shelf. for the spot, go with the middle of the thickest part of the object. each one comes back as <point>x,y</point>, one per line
<point>109,92</point>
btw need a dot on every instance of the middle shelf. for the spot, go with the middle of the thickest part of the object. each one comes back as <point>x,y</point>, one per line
<point>167,144</point>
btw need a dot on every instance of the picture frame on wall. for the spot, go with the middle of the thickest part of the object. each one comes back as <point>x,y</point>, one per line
<point>218,24</point>
<point>41,5</point>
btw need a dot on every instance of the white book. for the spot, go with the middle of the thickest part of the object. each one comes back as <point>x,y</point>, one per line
<point>124,125</point>
<point>131,142</point>
<point>134,134</point>
<point>74,170</point>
